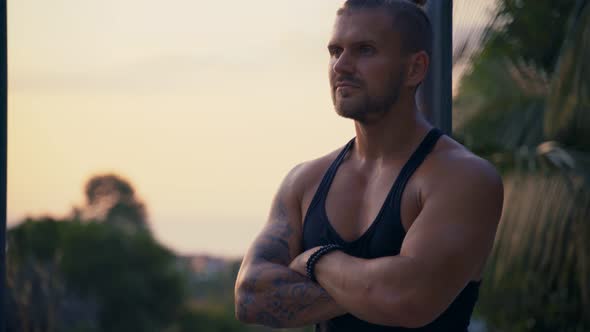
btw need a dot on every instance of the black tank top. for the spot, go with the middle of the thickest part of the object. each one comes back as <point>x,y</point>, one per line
<point>383,238</point>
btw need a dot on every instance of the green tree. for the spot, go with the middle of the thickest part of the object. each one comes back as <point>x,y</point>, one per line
<point>111,198</point>
<point>531,31</point>
<point>133,278</point>
<point>34,283</point>
<point>526,105</point>
<point>122,281</point>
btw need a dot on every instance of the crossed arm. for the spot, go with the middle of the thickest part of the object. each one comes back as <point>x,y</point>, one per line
<point>267,291</point>
<point>444,249</point>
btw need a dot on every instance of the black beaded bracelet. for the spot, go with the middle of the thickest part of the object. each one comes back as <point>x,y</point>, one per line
<point>313,259</point>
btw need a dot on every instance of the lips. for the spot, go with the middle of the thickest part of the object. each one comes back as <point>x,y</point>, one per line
<point>346,85</point>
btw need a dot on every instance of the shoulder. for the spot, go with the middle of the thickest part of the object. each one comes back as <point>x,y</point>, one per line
<point>452,168</point>
<point>451,160</point>
<point>306,175</point>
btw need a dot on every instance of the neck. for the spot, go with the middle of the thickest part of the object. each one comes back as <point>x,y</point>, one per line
<point>394,135</point>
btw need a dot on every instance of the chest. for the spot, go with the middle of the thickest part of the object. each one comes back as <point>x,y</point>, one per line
<point>356,200</point>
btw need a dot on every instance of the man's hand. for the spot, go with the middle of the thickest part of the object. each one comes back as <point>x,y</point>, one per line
<point>299,264</point>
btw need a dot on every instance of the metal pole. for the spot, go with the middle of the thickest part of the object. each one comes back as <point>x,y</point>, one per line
<point>3,137</point>
<point>435,95</point>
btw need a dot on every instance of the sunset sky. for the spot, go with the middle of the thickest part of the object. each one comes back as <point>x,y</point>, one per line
<point>203,105</point>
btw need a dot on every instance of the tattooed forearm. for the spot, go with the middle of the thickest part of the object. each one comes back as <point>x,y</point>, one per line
<point>276,296</point>
<point>268,292</point>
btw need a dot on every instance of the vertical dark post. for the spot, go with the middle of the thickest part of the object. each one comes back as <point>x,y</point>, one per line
<point>3,135</point>
<point>435,95</point>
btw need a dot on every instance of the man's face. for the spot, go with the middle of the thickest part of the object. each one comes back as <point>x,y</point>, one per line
<point>366,69</point>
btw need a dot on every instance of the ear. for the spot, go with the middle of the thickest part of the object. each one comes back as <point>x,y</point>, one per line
<point>417,68</point>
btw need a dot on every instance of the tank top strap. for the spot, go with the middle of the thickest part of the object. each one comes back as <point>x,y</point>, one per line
<point>329,176</point>
<point>412,165</point>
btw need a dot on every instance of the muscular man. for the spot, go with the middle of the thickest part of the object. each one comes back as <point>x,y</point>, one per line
<point>415,213</point>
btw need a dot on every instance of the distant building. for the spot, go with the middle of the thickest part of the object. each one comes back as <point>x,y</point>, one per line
<point>203,267</point>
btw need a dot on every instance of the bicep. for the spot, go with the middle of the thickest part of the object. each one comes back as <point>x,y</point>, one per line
<point>280,239</point>
<point>454,233</point>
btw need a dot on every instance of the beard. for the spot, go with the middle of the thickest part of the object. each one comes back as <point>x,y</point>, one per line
<point>362,107</point>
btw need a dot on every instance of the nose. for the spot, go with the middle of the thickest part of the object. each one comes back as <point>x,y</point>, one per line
<point>344,64</point>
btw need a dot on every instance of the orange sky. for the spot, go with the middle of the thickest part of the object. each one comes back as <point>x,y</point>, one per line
<point>204,106</point>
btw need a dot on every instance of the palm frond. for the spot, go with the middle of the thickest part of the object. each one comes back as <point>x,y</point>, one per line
<point>541,251</point>
<point>567,118</point>
<point>533,122</point>
<point>500,112</point>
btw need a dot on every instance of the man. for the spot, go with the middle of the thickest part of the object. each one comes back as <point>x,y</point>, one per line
<point>414,214</point>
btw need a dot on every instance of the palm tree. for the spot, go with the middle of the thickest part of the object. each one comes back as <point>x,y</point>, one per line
<point>529,113</point>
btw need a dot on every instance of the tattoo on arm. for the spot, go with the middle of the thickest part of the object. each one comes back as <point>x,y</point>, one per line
<point>286,300</point>
<point>273,245</point>
<point>282,295</point>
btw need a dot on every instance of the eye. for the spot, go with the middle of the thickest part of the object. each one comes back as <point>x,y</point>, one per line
<point>366,50</point>
<point>335,51</point>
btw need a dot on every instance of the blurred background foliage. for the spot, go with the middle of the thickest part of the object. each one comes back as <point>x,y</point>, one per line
<point>525,105</point>
<point>100,269</point>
